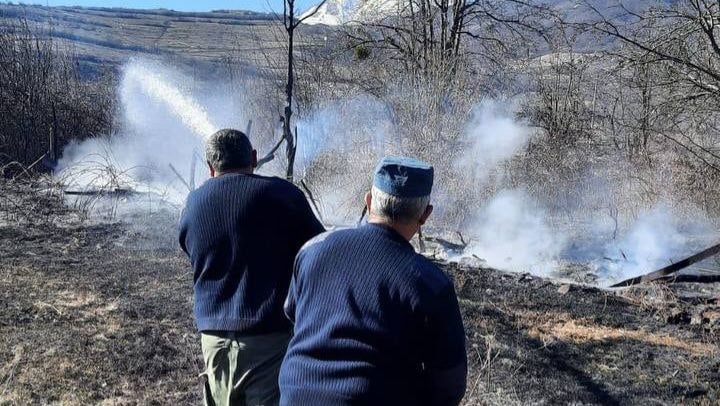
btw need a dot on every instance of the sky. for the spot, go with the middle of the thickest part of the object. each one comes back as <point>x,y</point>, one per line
<point>180,5</point>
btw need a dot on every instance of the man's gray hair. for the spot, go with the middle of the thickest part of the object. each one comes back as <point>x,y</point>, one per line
<point>397,209</point>
<point>229,149</point>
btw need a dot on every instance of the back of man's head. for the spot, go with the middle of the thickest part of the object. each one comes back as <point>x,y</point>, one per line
<point>398,209</point>
<point>401,190</point>
<point>229,150</point>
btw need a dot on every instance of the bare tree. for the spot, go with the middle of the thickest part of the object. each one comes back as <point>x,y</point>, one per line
<point>290,23</point>
<point>434,38</point>
<point>673,55</point>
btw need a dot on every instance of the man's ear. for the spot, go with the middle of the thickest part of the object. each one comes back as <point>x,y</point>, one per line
<point>212,170</point>
<point>426,214</point>
<point>254,159</point>
<point>368,201</point>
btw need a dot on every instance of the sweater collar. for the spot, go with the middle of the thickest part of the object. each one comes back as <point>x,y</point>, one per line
<point>390,233</point>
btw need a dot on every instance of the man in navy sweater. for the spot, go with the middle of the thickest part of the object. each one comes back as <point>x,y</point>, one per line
<point>375,322</point>
<point>242,232</point>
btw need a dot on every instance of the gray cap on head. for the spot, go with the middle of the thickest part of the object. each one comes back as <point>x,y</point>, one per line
<point>229,149</point>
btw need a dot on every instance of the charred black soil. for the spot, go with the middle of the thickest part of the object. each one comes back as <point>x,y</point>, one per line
<point>532,340</point>
<point>89,316</point>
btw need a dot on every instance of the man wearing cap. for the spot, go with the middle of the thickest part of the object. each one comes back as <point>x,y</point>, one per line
<point>375,322</point>
<point>242,232</point>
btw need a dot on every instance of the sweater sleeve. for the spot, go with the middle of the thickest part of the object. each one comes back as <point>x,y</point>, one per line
<point>292,297</point>
<point>445,359</point>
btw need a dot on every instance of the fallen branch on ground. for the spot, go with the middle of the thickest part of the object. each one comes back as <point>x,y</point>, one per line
<point>446,244</point>
<point>99,192</point>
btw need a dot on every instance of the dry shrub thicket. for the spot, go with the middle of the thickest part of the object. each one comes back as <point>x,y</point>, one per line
<point>615,130</point>
<point>44,100</point>
<point>420,72</point>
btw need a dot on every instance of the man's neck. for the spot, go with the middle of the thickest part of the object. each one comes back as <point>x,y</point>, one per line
<point>407,230</point>
<point>240,171</point>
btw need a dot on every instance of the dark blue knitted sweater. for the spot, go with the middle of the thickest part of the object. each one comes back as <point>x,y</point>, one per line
<point>375,324</point>
<point>242,233</point>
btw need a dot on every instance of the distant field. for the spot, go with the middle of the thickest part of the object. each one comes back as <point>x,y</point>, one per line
<point>103,35</point>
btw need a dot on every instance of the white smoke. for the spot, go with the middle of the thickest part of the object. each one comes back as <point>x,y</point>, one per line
<point>656,239</point>
<point>493,136</point>
<point>162,129</point>
<point>339,144</point>
<point>163,123</point>
<point>353,127</point>
<point>510,233</point>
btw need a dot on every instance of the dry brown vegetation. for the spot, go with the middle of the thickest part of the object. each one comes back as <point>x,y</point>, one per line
<point>615,128</point>
<point>611,106</point>
<point>533,342</point>
<point>562,327</point>
<point>44,103</point>
<point>100,313</point>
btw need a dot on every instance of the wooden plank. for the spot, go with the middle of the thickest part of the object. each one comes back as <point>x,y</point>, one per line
<point>689,278</point>
<point>714,250</point>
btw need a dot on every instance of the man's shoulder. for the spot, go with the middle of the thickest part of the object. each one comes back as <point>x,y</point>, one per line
<point>430,275</point>
<point>271,184</point>
<point>277,185</point>
<point>199,193</point>
<point>328,238</point>
<point>273,181</point>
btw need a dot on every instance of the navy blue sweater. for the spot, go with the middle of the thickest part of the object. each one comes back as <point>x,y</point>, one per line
<point>242,233</point>
<point>375,324</point>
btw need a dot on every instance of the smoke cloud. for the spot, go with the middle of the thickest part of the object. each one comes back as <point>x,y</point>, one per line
<point>510,233</point>
<point>493,136</point>
<point>161,127</point>
<point>163,124</point>
<point>354,127</point>
<point>656,239</point>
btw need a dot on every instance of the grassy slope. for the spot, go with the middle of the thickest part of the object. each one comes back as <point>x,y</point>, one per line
<point>113,35</point>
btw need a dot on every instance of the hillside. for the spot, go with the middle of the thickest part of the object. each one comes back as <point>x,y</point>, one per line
<point>102,35</point>
<point>338,12</point>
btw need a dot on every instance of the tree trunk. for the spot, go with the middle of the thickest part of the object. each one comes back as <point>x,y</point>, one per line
<point>287,132</point>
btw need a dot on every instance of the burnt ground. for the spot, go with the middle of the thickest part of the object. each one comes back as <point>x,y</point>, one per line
<point>95,313</point>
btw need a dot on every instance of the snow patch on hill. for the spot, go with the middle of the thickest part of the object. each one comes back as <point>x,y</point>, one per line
<point>338,12</point>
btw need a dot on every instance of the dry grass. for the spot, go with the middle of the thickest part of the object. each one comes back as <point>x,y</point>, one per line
<point>90,316</point>
<point>650,296</point>
<point>582,331</point>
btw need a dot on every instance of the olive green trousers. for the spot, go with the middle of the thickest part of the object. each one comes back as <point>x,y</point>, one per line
<point>242,370</point>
